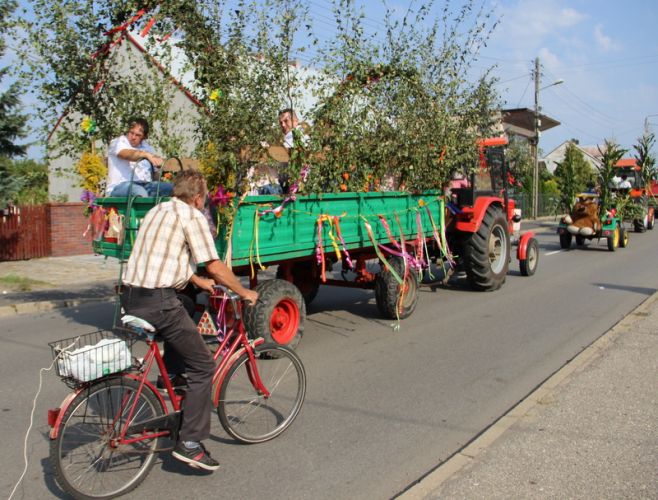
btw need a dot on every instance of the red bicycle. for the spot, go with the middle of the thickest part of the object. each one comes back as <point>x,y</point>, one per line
<point>105,434</point>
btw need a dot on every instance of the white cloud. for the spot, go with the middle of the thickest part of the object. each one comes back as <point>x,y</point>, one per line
<point>549,59</point>
<point>604,41</point>
<point>533,20</point>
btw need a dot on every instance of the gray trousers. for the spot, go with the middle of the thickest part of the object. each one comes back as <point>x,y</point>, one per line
<point>164,310</point>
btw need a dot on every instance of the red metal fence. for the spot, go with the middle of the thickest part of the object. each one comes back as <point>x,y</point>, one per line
<point>24,233</point>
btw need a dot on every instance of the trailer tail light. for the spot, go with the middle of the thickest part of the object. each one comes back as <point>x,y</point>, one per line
<point>53,413</point>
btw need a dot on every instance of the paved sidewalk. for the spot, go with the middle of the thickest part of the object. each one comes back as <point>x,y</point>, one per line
<point>55,282</point>
<point>590,431</point>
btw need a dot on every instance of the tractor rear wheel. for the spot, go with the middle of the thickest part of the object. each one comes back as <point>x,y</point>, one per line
<point>613,239</point>
<point>623,238</point>
<point>487,252</point>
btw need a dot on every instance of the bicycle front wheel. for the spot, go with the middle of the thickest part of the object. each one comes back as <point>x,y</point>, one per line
<point>245,413</point>
<point>87,457</point>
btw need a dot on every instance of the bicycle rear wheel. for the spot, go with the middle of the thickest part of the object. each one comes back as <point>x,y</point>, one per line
<point>86,462</point>
<point>247,415</point>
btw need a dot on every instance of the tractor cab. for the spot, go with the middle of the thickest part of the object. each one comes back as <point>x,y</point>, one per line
<point>628,178</point>
<point>489,179</point>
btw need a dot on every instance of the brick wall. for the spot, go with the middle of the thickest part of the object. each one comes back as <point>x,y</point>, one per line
<point>66,226</point>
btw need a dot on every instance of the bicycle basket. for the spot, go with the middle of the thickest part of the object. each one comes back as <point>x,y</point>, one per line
<point>90,356</point>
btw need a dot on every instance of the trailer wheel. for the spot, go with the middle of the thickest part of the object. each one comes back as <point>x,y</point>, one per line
<point>530,263</point>
<point>613,240</point>
<point>623,238</point>
<point>279,314</point>
<point>580,240</point>
<point>487,252</point>
<point>565,241</point>
<point>305,276</point>
<point>387,291</point>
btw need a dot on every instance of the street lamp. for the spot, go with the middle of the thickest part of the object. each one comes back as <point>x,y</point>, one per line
<point>535,170</point>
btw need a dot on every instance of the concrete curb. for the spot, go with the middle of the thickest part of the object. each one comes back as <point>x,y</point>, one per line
<point>467,455</point>
<point>48,305</point>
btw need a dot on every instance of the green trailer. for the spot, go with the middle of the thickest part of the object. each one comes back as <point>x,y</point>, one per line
<point>305,236</point>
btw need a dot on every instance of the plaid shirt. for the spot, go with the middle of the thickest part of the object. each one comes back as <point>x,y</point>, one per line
<point>173,238</point>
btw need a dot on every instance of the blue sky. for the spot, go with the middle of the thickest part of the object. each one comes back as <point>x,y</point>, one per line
<point>606,52</point>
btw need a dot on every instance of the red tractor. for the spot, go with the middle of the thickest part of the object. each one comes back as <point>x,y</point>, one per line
<point>628,180</point>
<point>481,222</point>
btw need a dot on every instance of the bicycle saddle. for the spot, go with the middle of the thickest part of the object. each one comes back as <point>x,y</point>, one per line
<point>137,323</point>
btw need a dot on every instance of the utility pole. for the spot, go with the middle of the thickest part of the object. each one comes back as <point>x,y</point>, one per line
<point>535,144</point>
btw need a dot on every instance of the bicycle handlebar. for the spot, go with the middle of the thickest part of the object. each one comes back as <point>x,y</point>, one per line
<point>229,293</point>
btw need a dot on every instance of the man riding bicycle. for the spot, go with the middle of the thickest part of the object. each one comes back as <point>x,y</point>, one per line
<point>173,239</point>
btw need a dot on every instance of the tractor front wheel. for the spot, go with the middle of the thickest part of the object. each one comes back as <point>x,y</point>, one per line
<point>529,264</point>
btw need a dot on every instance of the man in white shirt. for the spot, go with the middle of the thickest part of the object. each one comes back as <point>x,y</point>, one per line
<point>130,164</point>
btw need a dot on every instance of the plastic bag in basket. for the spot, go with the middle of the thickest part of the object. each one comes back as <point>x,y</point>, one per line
<point>91,362</point>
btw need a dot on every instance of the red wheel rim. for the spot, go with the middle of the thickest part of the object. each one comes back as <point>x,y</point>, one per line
<point>284,321</point>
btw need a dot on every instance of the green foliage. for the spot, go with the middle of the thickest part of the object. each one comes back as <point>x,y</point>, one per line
<point>399,106</point>
<point>521,163</point>
<point>645,158</point>
<point>34,177</point>
<point>403,107</point>
<point>12,122</point>
<point>572,174</point>
<point>71,65</point>
<point>9,185</point>
<point>610,155</point>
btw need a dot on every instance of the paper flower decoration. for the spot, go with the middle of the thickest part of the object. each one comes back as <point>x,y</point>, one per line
<point>220,197</point>
<point>88,125</point>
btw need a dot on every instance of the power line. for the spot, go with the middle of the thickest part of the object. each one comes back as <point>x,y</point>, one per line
<point>586,105</point>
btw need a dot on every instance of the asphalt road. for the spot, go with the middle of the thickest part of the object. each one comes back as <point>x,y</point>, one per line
<point>383,407</point>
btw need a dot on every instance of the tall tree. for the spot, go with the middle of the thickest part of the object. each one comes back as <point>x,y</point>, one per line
<point>12,121</point>
<point>610,155</point>
<point>645,157</point>
<point>572,174</point>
